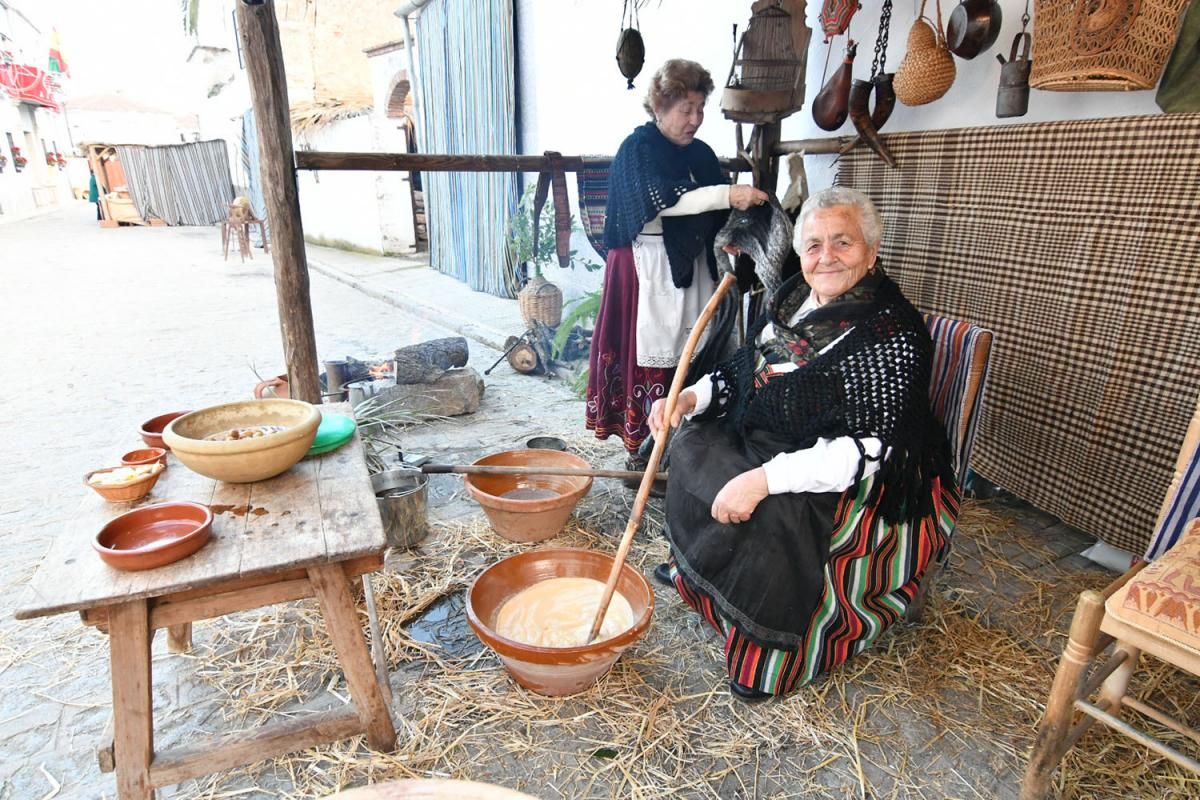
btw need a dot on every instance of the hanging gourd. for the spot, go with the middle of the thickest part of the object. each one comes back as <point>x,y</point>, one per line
<point>631,50</point>
<point>766,78</point>
<point>830,106</point>
<point>866,121</point>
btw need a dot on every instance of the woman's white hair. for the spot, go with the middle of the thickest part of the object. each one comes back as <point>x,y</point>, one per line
<point>868,215</point>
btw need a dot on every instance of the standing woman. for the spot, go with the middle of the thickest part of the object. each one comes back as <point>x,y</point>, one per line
<point>667,198</point>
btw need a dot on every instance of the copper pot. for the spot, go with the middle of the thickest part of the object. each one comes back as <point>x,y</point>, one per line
<point>973,27</point>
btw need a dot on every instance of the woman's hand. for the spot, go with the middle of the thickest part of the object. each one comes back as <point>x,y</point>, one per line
<point>740,496</point>
<point>684,404</point>
<point>742,197</point>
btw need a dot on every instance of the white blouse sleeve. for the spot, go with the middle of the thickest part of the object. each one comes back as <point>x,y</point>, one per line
<point>828,466</point>
<point>706,198</point>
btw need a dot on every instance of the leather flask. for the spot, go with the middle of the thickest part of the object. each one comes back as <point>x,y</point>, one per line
<point>1012,100</point>
<point>832,103</point>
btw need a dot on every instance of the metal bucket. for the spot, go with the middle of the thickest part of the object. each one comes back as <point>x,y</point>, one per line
<point>401,495</point>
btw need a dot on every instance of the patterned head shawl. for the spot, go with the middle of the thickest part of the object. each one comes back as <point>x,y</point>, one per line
<point>650,173</point>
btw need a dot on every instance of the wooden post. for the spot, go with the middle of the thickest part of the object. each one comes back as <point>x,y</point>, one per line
<point>764,164</point>
<point>259,35</point>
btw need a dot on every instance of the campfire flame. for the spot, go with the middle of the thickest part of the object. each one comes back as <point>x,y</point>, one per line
<point>381,370</point>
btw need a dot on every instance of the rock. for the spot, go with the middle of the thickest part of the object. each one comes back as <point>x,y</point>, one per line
<point>459,391</point>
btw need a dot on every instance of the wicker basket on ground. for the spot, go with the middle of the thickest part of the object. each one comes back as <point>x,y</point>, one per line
<point>1085,45</point>
<point>540,301</point>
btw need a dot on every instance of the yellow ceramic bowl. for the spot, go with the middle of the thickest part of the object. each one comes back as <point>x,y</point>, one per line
<point>244,460</point>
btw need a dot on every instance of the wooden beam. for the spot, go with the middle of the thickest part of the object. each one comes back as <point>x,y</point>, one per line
<point>226,751</point>
<point>259,33</point>
<point>441,162</point>
<point>444,162</point>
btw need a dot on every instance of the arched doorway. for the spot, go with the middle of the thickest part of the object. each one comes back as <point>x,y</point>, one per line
<point>400,108</point>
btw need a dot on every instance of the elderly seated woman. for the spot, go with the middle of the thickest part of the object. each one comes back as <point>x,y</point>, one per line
<point>812,484</point>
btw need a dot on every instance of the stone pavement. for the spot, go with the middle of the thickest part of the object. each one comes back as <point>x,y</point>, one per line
<point>102,329</point>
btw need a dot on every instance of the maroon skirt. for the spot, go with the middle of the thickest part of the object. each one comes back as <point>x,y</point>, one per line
<point>619,392</point>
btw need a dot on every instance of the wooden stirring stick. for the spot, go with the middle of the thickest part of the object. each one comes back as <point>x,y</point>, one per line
<point>660,443</point>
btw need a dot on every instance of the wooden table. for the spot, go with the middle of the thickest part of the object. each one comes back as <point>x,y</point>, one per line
<point>307,533</point>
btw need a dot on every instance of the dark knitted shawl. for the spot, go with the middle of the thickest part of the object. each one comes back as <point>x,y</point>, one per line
<point>650,173</point>
<point>874,382</point>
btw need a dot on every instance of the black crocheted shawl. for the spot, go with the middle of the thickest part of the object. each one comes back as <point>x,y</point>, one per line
<point>874,382</point>
<point>650,173</point>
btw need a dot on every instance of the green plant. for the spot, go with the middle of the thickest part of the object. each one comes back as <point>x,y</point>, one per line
<point>582,309</point>
<point>520,237</point>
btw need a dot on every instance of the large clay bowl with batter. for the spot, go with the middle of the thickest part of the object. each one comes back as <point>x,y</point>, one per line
<point>555,671</point>
<point>548,501</point>
<point>244,460</point>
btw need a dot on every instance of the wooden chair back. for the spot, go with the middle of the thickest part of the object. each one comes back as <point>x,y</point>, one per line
<point>962,352</point>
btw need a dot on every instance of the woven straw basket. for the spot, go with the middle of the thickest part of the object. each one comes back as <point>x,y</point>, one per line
<point>927,70</point>
<point>1082,45</point>
<point>540,301</point>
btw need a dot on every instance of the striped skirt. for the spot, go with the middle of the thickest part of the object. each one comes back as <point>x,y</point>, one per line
<point>871,577</point>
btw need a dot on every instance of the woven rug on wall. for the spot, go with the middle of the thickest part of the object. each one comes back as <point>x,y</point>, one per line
<point>1078,244</point>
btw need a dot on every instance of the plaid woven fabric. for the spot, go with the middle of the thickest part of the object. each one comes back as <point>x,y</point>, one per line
<point>1078,244</point>
<point>1185,507</point>
<point>954,346</point>
<point>592,183</point>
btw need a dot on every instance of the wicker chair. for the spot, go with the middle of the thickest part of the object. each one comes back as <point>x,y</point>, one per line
<point>960,363</point>
<point>1153,609</point>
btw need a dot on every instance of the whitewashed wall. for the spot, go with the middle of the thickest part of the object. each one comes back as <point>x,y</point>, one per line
<point>38,186</point>
<point>573,98</point>
<point>342,208</point>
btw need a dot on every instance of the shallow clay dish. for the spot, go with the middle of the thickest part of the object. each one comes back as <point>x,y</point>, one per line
<point>555,671</point>
<point>152,429</point>
<point>148,455</point>
<point>244,460</point>
<point>153,536</point>
<point>548,499</point>
<point>124,492</point>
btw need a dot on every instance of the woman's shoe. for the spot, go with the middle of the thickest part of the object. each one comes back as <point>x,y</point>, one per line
<point>746,694</point>
<point>662,574</point>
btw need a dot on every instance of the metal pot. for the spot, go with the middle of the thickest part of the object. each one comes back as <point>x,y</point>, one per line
<point>973,27</point>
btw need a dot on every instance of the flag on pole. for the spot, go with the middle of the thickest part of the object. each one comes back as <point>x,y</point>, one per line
<point>58,64</point>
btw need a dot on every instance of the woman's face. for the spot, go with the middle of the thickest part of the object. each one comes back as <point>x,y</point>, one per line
<point>833,253</point>
<point>680,122</point>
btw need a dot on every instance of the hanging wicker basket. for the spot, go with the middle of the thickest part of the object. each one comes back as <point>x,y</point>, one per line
<point>927,71</point>
<point>540,301</point>
<point>1087,45</point>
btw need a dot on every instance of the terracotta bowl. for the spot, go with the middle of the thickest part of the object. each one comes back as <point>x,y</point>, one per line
<point>555,671</point>
<point>152,429</point>
<point>125,492</point>
<point>152,536</point>
<point>148,455</point>
<point>532,518</point>
<point>244,460</point>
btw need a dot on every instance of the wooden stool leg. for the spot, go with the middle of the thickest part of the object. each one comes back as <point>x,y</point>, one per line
<point>133,721</point>
<point>1048,747</point>
<point>179,637</point>
<point>225,239</point>
<point>378,655</point>
<point>341,620</point>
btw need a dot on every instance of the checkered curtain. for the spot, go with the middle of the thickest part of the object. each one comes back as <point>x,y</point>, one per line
<point>1078,244</point>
